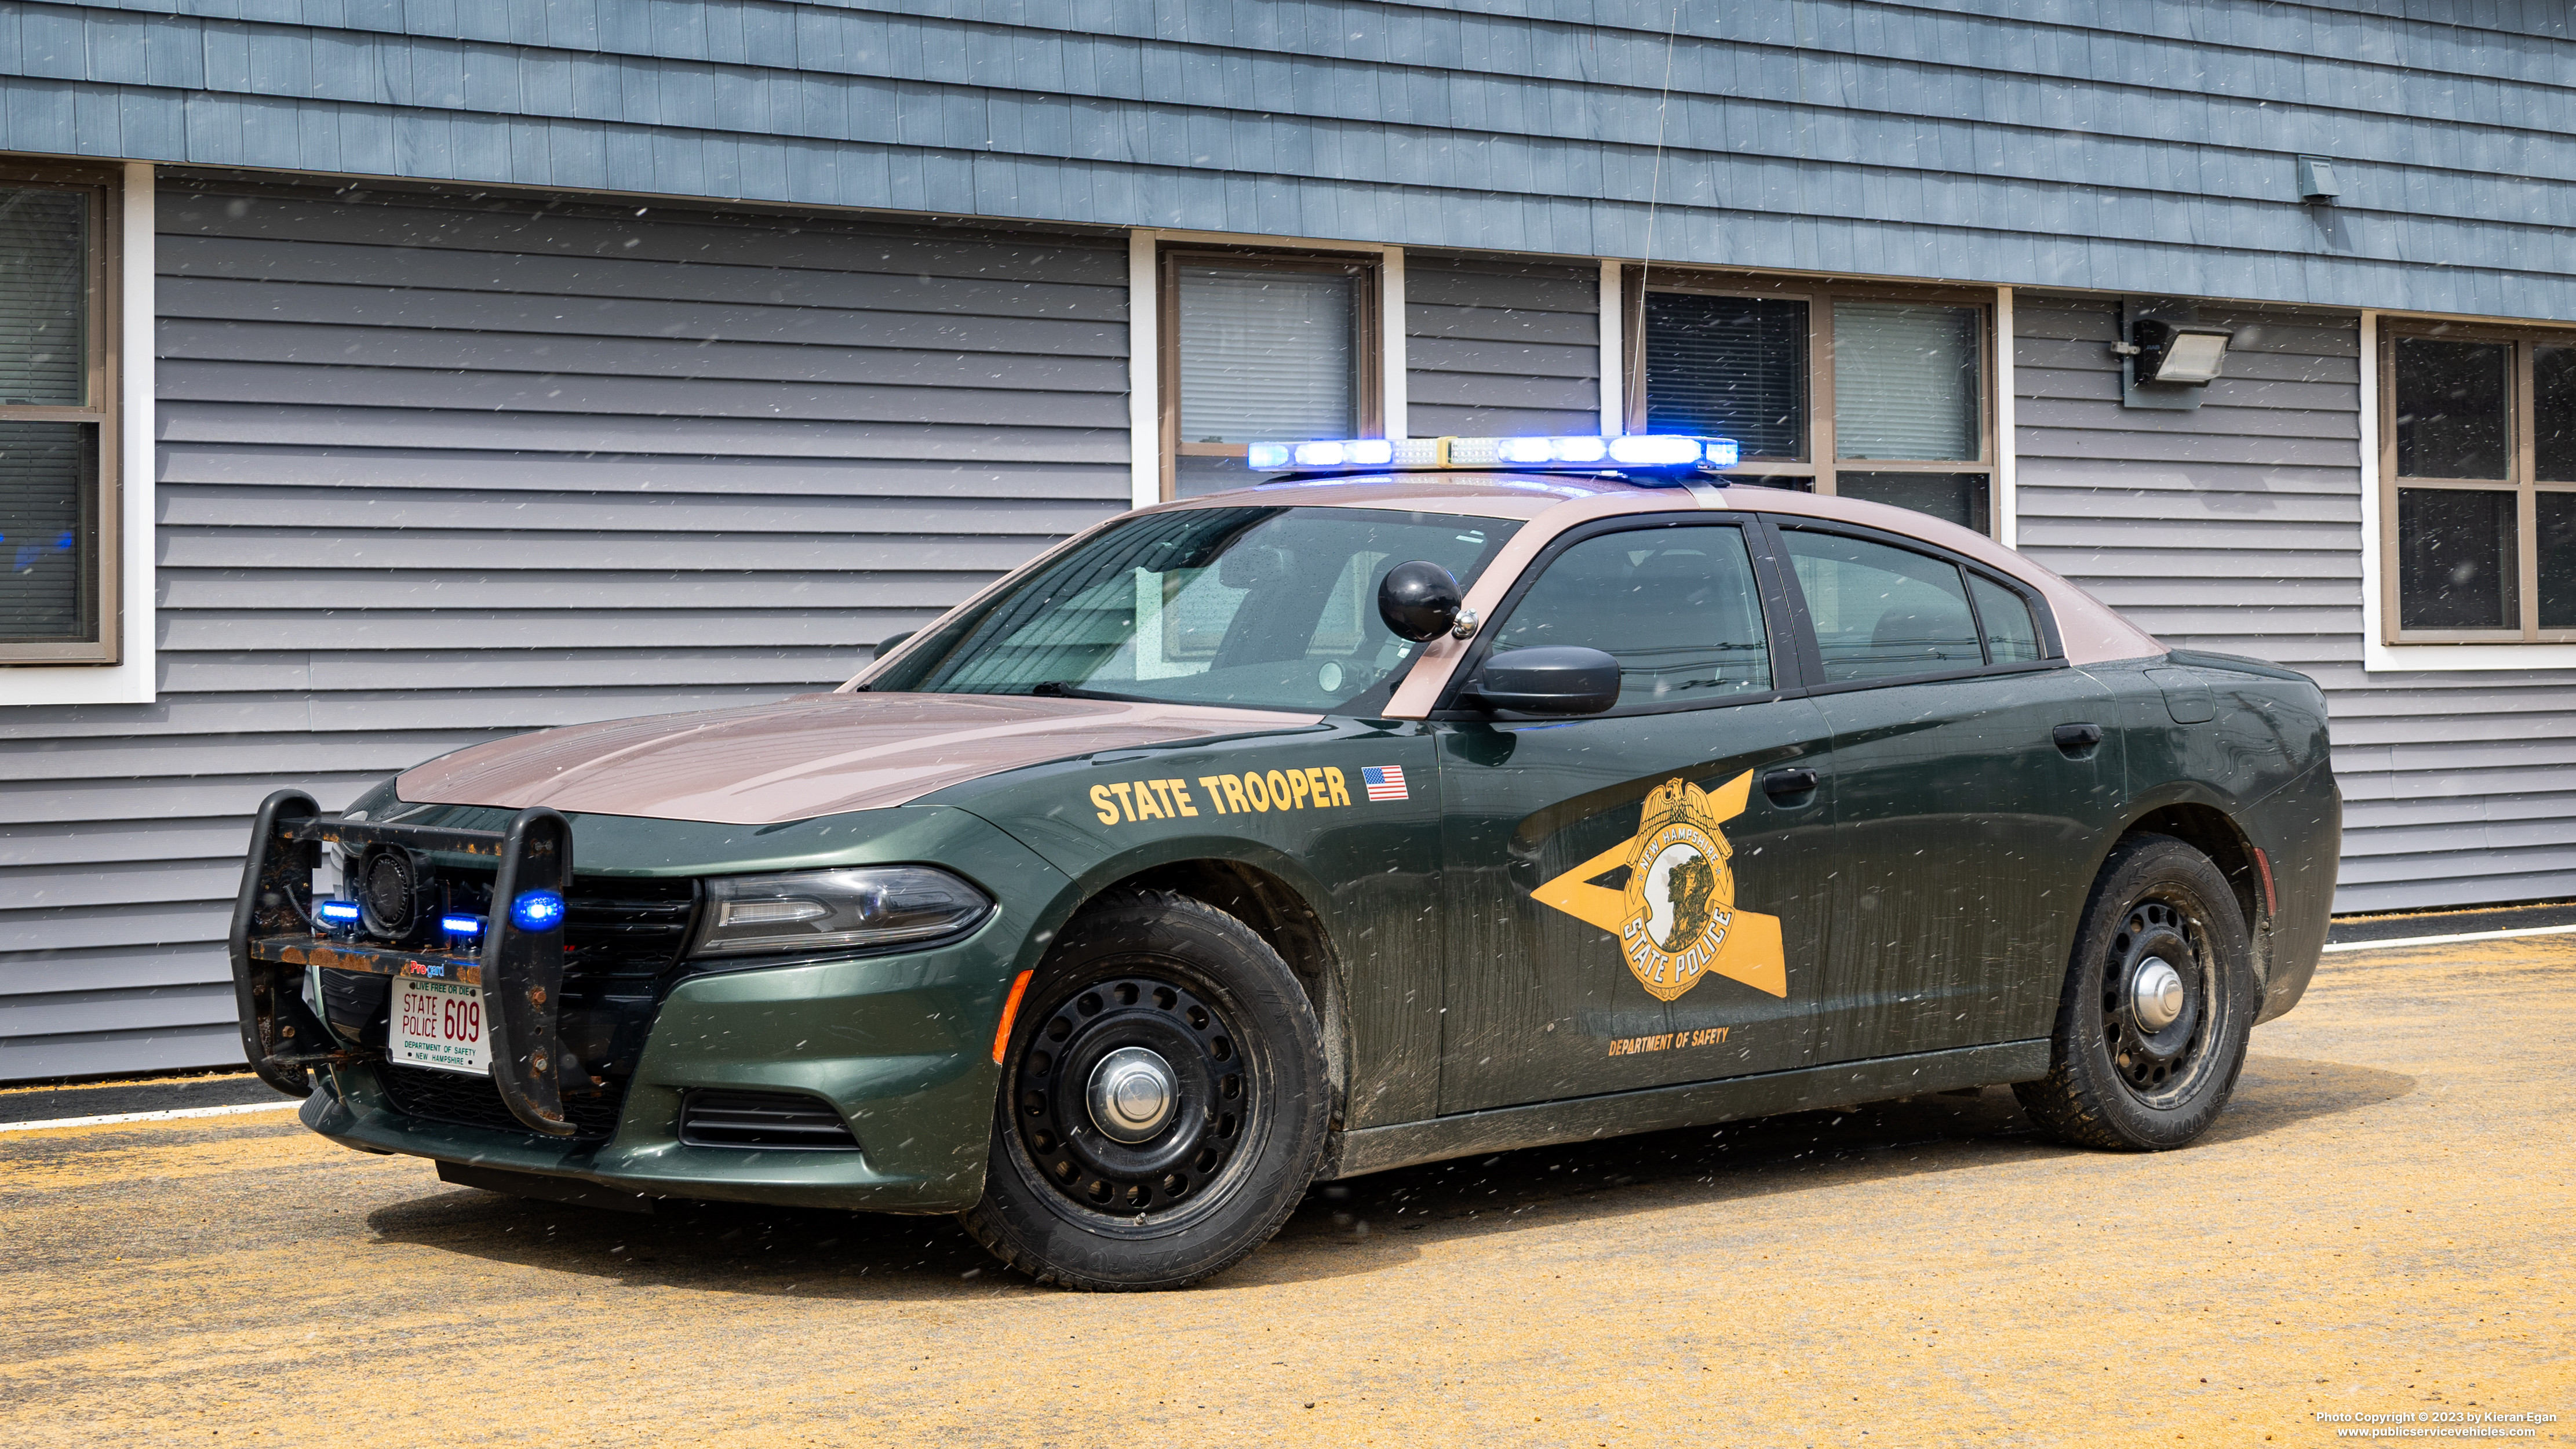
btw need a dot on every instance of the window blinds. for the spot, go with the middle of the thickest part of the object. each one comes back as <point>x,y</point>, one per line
<point>45,544</point>
<point>43,244</point>
<point>1266,356</point>
<point>1728,367</point>
<point>1905,381</point>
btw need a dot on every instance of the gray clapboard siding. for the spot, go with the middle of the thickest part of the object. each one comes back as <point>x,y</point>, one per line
<point>1497,347</point>
<point>436,471</point>
<point>2238,528</point>
<point>2113,144</point>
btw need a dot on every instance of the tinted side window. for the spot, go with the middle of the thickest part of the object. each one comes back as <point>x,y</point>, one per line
<point>1676,607</point>
<point>1882,612</point>
<point>2012,635</point>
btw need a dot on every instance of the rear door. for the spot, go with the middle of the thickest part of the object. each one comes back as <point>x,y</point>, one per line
<point>1973,793</point>
<point>1626,905</point>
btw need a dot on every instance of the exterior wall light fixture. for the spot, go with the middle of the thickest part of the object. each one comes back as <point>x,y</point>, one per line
<point>2176,353</point>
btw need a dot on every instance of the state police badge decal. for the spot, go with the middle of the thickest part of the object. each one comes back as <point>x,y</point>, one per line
<point>1676,918</point>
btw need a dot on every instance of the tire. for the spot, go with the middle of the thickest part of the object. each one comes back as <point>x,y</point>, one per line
<point>1241,1077</point>
<point>2117,1079</point>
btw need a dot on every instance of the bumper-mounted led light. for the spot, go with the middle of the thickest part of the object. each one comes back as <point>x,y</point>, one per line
<point>537,911</point>
<point>337,913</point>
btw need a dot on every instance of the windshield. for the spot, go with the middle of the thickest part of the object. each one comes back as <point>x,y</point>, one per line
<point>1263,608</point>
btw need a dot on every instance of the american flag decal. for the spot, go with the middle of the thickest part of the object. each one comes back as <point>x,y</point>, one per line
<point>1384,782</point>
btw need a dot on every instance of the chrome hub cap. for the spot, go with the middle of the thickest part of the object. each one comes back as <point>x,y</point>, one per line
<point>2155,994</point>
<point>1133,1091</point>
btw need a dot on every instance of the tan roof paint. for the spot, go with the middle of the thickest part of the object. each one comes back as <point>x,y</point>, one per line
<point>823,754</point>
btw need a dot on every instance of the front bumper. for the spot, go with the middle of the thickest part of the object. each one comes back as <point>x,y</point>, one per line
<point>899,1044</point>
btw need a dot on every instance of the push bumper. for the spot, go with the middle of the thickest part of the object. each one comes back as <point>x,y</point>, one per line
<point>899,1045</point>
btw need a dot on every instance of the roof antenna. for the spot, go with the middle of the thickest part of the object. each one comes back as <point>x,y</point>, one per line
<point>1654,195</point>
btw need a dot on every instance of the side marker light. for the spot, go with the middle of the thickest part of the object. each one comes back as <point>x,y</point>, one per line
<point>1010,1013</point>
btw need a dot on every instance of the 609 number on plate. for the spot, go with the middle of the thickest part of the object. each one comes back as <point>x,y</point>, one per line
<point>439,1024</point>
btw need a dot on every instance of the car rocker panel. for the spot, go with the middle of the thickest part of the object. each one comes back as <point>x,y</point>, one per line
<point>1423,805</point>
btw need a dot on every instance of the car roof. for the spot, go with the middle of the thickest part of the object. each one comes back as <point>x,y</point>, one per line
<point>1550,503</point>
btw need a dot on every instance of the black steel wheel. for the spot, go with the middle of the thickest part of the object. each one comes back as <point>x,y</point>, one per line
<point>1163,1102</point>
<point>2159,1001</point>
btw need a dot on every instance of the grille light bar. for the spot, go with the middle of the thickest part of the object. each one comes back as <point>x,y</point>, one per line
<point>1658,451</point>
<point>338,913</point>
<point>461,925</point>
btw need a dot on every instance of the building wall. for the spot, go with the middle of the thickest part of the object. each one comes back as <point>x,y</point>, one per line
<point>2237,527</point>
<point>2115,144</point>
<point>433,472</point>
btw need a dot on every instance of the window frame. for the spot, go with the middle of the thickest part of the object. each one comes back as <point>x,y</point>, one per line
<point>102,373</point>
<point>1811,658</point>
<point>1368,326</point>
<point>1791,672</point>
<point>2521,480</point>
<point>1821,469</point>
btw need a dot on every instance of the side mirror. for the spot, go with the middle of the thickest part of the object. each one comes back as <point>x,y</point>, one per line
<point>1419,600</point>
<point>1556,679</point>
<point>891,643</point>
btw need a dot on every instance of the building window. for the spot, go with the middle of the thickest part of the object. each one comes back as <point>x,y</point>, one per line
<point>2478,469</point>
<point>58,506</point>
<point>1262,347</point>
<point>1861,392</point>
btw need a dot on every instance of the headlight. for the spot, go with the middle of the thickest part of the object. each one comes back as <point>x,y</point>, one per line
<point>821,910</point>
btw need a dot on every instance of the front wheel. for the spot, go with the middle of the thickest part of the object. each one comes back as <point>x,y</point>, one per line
<point>2159,1001</point>
<point>1164,1101</point>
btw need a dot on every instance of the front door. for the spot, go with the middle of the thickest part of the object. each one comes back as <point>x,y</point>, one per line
<point>1628,905</point>
<point>1967,830</point>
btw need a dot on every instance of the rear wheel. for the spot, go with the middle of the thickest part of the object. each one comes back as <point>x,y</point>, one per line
<point>2159,1000</point>
<point>1163,1102</point>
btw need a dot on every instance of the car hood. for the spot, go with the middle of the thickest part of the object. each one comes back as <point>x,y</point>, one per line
<point>819,754</point>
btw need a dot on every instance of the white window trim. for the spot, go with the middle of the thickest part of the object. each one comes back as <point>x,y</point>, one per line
<point>1614,350</point>
<point>2007,500</point>
<point>2378,657</point>
<point>132,680</point>
<point>1144,342</point>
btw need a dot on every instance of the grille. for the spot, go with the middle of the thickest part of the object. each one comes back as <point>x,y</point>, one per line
<point>615,946</point>
<point>474,1102</point>
<point>763,1119</point>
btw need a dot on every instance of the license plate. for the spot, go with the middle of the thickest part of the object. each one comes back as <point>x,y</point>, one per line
<point>439,1024</point>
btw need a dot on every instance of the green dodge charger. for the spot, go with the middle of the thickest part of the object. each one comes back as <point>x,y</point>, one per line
<point>1439,797</point>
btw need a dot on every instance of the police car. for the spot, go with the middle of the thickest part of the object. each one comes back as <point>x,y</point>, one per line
<point>1439,797</point>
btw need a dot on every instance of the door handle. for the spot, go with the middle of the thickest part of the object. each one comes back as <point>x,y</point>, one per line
<point>1780,783</point>
<point>2078,741</point>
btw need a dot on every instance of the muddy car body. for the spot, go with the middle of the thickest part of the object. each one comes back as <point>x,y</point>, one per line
<point>1168,874</point>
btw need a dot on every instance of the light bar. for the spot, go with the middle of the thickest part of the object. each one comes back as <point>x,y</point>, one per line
<point>461,925</point>
<point>338,913</point>
<point>1655,452</point>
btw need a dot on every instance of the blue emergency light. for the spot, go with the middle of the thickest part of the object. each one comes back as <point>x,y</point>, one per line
<point>338,913</point>
<point>1640,452</point>
<point>537,911</point>
<point>461,925</point>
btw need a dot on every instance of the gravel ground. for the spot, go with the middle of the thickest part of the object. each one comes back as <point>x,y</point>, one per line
<point>2380,1225</point>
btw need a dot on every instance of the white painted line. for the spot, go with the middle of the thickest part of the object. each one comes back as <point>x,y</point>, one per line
<point>2447,940</point>
<point>171,1115</point>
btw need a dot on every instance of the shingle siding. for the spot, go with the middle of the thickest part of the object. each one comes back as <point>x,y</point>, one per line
<point>2120,144</point>
<point>2237,527</point>
<point>431,472</point>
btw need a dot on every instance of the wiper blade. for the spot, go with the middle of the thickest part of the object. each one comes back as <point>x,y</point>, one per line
<point>1066,689</point>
